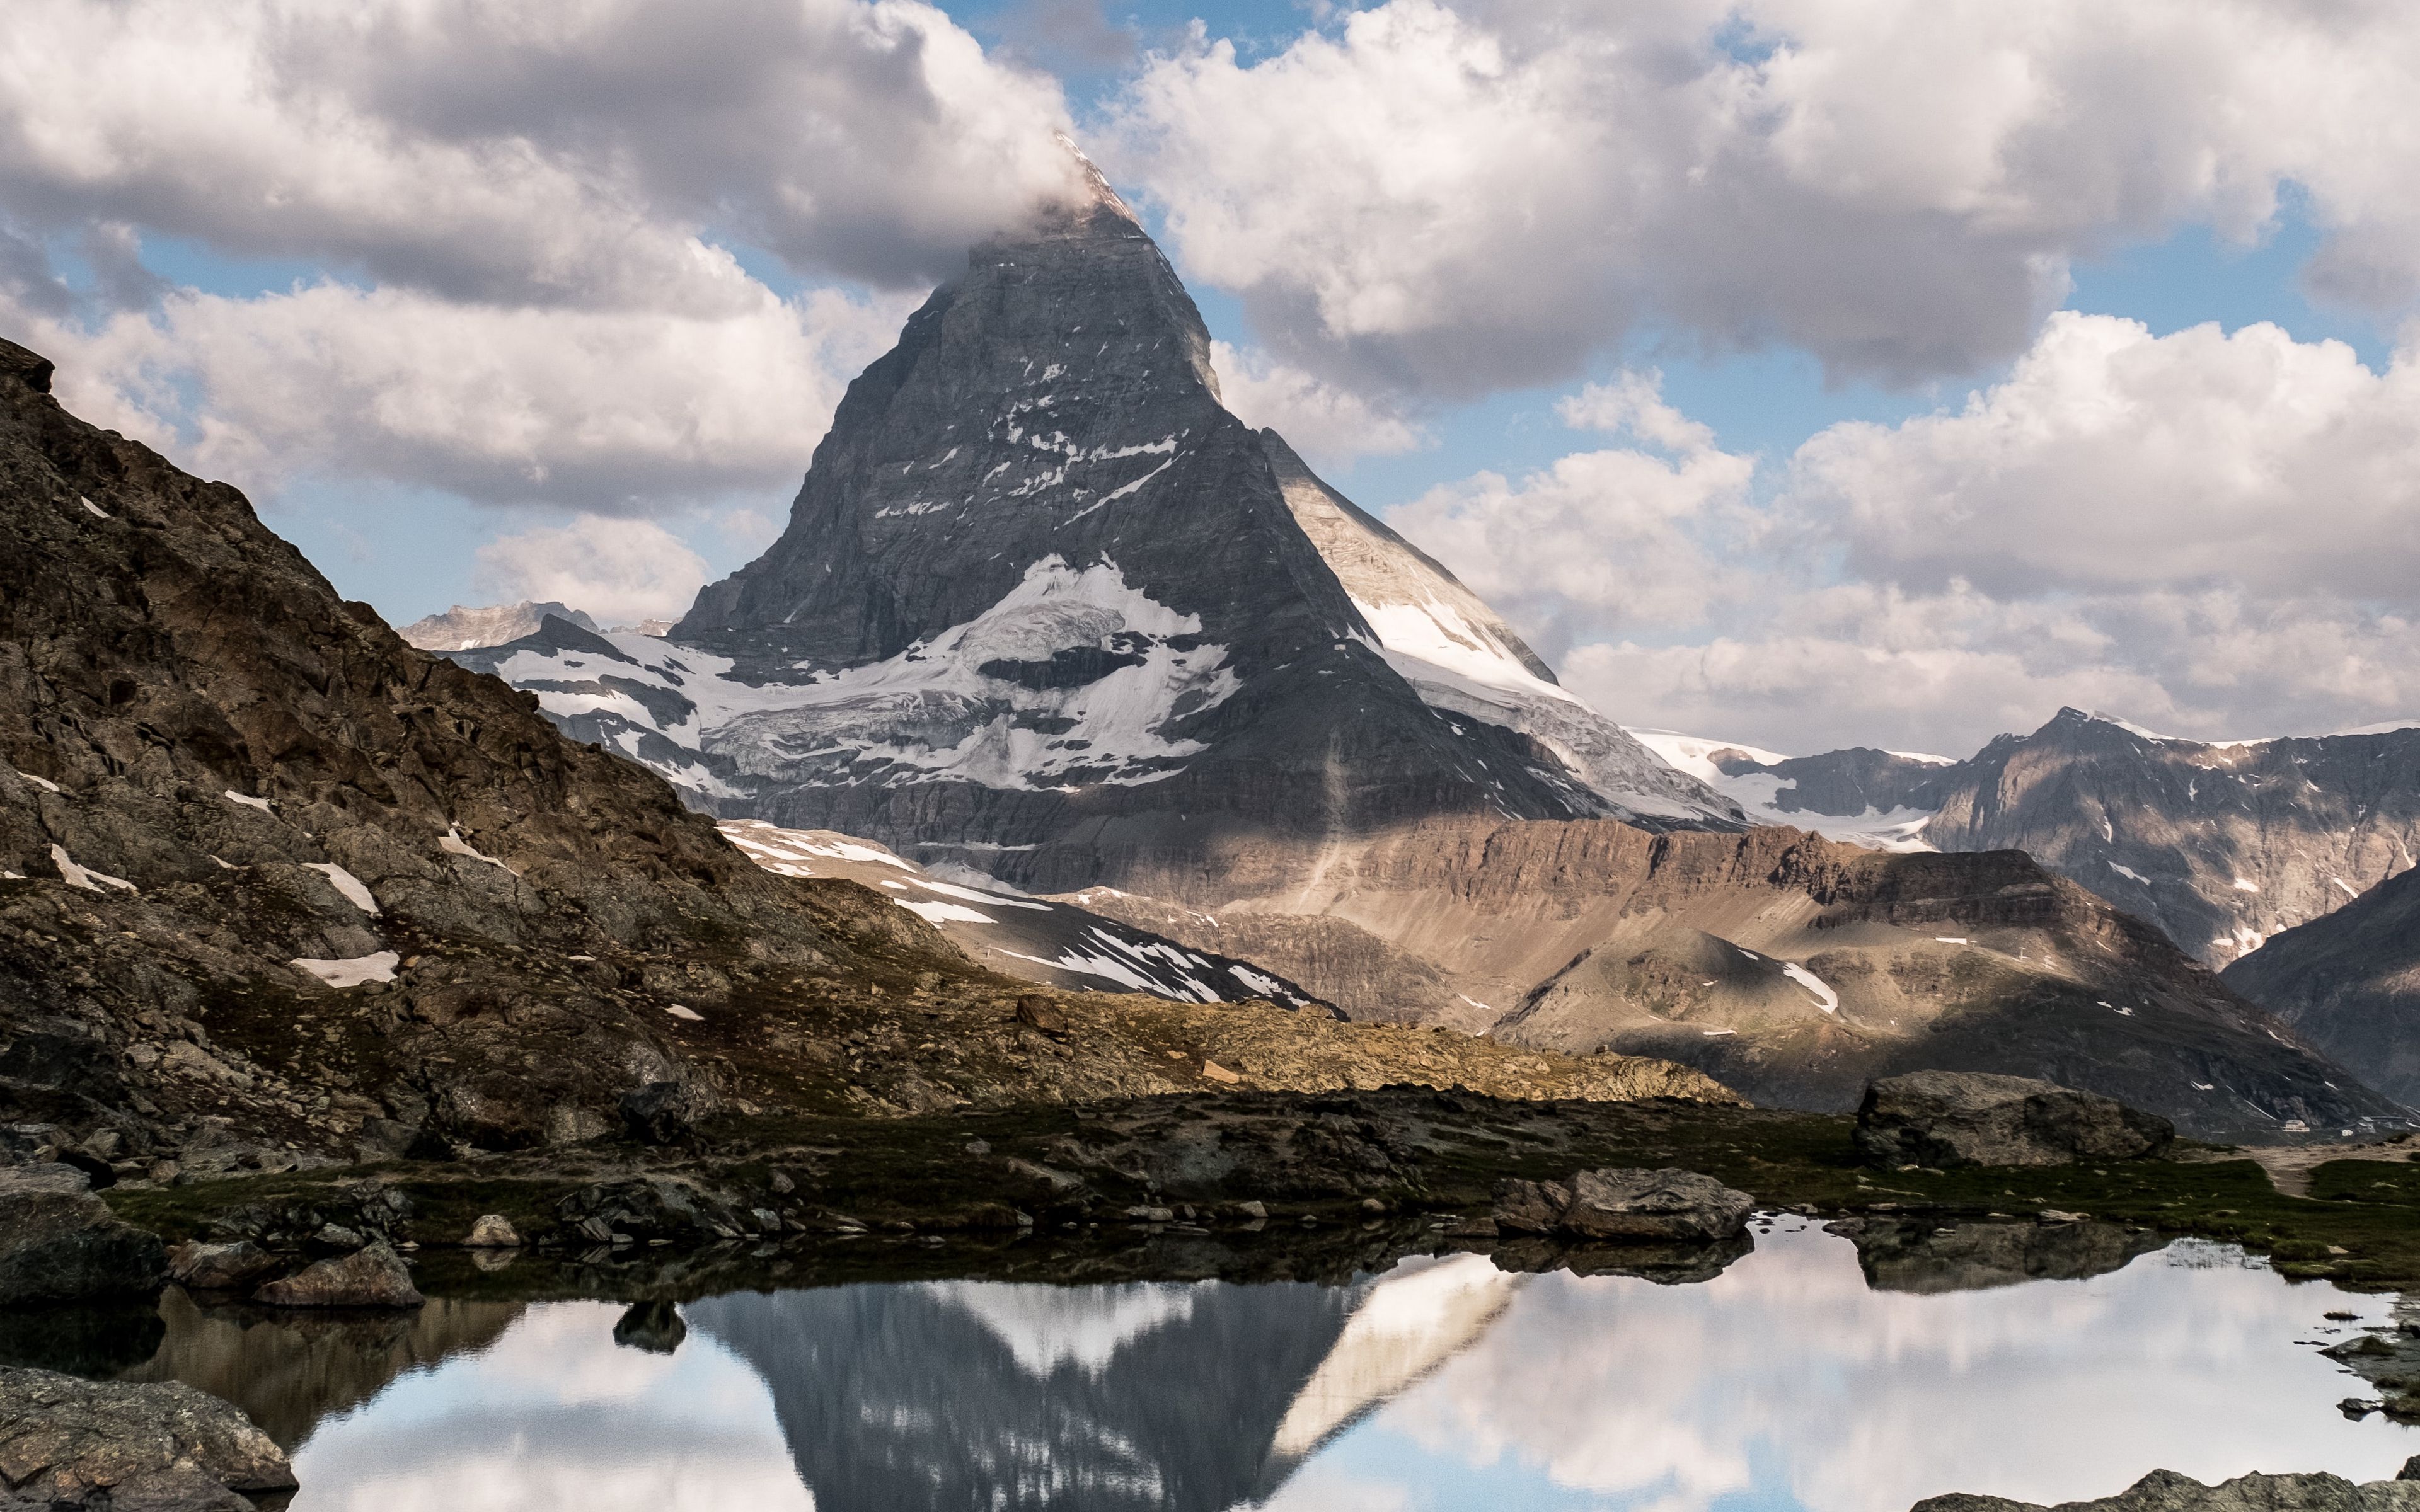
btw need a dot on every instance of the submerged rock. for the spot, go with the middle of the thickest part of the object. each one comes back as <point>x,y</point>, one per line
<point>375,1277</point>
<point>59,1242</point>
<point>1626,1206</point>
<point>2164,1491</point>
<point>1949,1117</point>
<point>66,1443</point>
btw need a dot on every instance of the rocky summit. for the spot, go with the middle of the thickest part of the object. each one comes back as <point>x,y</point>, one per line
<point>1046,607</point>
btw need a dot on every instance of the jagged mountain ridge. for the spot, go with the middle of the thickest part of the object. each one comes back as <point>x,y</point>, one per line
<point>1045,608</point>
<point>2223,844</point>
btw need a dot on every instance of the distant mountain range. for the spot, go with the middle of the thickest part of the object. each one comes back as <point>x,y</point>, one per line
<point>2221,843</point>
<point>461,628</point>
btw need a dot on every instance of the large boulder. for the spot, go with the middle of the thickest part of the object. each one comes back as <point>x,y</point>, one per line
<point>59,1242</point>
<point>2164,1491</point>
<point>373,1277</point>
<point>1957,1117</point>
<point>68,1443</point>
<point>1625,1206</point>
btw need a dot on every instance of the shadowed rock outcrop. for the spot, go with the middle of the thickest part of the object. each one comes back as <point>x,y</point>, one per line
<point>1946,1118</point>
<point>59,1242</point>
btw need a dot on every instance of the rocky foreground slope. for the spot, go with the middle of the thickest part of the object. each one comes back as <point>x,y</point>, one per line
<point>1792,967</point>
<point>276,887</point>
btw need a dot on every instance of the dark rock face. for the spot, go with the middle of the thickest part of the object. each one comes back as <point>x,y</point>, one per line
<point>2349,983</point>
<point>1621,1205</point>
<point>374,1276</point>
<point>66,1442</point>
<point>642,1208</point>
<point>1944,1118</point>
<point>59,1242</point>
<point>2164,1491</point>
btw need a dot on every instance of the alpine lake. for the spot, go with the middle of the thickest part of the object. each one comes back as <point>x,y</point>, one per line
<point>1857,1364</point>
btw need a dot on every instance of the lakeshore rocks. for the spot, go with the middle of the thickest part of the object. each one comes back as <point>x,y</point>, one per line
<point>66,1443</point>
<point>59,1242</point>
<point>374,1276</point>
<point>198,1266</point>
<point>492,1231</point>
<point>2164,1491</point>
<point>1669,1205</point>
<point>1945,1118</point>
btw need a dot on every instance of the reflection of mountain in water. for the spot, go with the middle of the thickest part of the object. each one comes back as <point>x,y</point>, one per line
<point>288,1373</point>
<point>1408,1325</point>
<point>957,1396</point>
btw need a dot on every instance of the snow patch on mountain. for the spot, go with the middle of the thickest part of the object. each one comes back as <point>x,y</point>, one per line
<point>1072,678</point>
<point>1880,829</point>
<point>1077,948</point>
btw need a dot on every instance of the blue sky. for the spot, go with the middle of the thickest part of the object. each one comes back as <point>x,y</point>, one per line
<point>557,306</point>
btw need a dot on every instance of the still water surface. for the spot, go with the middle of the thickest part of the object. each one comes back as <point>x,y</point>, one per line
<point>1789,1381</point>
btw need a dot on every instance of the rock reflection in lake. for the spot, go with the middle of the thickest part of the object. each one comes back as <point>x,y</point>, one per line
<point>1918,1255</point>
<point>1812,1374</point>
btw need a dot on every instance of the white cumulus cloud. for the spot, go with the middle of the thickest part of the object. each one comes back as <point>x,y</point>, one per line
<point>1452,199</point>
<point>2210,533</point>
<point>615,570</point>
<point>1328,425</point>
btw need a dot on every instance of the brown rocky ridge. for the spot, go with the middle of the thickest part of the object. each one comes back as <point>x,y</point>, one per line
<point>1792,967</point>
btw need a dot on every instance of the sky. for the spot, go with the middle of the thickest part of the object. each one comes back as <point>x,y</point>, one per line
<point>1806,373</point>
